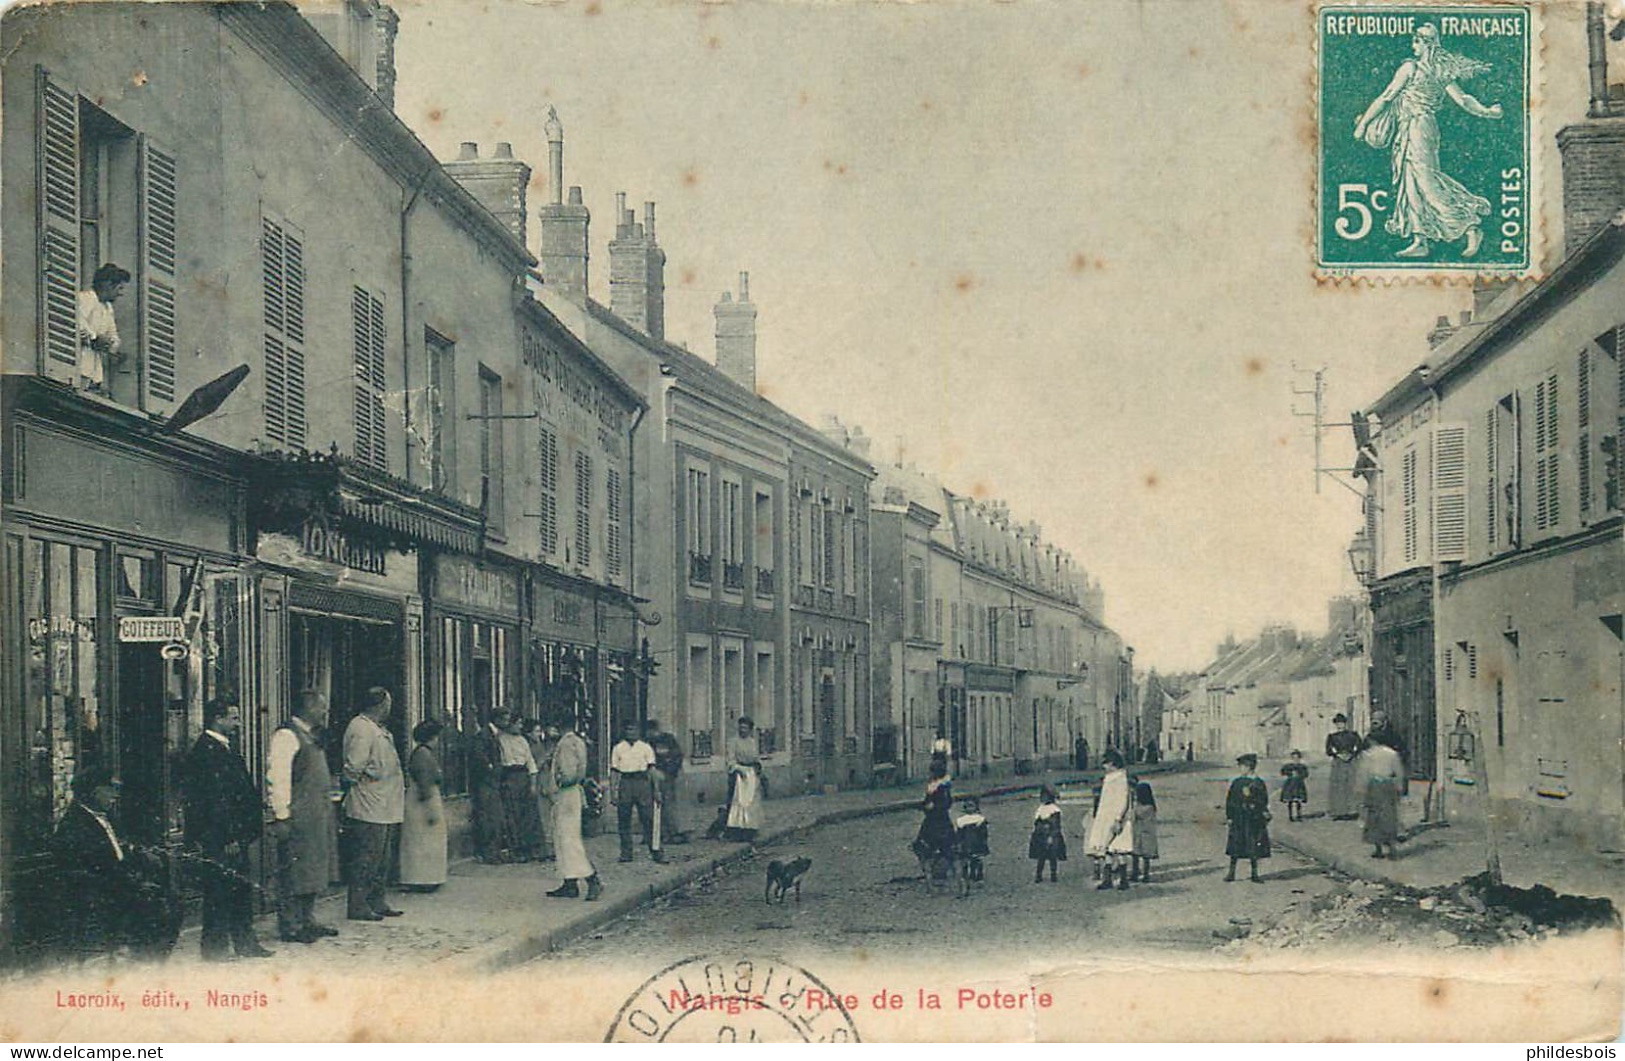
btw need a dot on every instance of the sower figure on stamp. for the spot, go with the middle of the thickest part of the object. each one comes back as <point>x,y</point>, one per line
<point>569,774</point>
<point>299,787</point>
<point>373,807</point>
<point>632,763</point>
<point>1429,204</point>
<point>1247,810</point>
<point>223,818</point>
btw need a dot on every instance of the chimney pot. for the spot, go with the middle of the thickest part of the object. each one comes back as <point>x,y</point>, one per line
<point>649,220</point>
<point>504,150</point>
<point>1466,317</point>
<point>575,195</point>
<point>744,287</point>
<point>468,151</point>
<point>1442,322</point>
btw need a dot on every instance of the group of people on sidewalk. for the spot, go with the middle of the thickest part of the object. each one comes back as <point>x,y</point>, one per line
<point>531,789</point>
<point>1368,779</point>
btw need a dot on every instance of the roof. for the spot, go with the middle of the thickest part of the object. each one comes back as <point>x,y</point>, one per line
<point>1479,340</point>
<point>706,378</point>
<point>548,319</point>
<point>279,32</point>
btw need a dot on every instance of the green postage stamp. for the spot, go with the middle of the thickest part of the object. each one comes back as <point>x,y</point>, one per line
<point>1424,139</point>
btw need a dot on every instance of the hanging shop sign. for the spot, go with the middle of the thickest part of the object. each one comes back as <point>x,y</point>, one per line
<point>145,628</point>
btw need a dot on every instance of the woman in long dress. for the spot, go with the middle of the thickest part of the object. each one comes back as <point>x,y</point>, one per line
<point>934,842</point>
<point>1111,834</point>
<point>569,775</point>
<point>1342,748</point>
<point>1384,774</point>
<point>745,766</point>
<point>1428,203</point>
<point>423,828</point>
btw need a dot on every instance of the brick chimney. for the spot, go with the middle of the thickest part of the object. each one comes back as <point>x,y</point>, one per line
<point>363,33</point>
<point>736,336</point>
<point>564,224</point>
<point>637,271</point>
<point>498,183</point>
<point>1594,149</point>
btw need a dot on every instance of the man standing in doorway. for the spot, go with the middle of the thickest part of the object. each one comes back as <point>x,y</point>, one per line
<point>373,806</point>
<point>668,765</point>
<point>485,779</point>
<point>223,818</point>
<point>298,787</point>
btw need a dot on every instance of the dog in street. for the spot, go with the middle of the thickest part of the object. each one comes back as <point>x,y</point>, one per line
<point>783,876</point>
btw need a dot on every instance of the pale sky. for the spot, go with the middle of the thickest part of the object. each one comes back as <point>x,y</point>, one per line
<point>1060,252</point>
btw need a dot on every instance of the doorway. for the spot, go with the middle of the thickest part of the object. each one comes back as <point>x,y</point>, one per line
<point>152,736</point>
<point>343,657</point>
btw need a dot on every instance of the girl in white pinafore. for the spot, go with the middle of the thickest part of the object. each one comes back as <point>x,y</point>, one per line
<point>1111,834</point>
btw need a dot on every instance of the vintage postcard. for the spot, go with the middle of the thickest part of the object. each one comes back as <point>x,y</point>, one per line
<point>775,521</point>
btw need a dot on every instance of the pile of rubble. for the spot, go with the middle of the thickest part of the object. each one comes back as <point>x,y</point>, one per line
<point>1471,913</point>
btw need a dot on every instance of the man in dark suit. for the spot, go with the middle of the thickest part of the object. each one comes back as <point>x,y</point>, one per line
<point>485,779</point>
<point>110,893</point>
<point>223,817</point>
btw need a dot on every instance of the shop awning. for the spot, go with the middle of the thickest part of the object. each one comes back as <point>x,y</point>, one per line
<point>288,489</point>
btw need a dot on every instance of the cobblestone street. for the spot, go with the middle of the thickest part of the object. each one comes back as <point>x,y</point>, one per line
<point>863,893</point>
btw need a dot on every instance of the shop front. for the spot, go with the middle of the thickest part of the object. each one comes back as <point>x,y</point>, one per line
<point>474,615</point>
<point>581,658</point>
<point>123,614</point>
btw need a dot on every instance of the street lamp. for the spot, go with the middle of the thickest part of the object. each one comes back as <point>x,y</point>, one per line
<point>1362,553</point>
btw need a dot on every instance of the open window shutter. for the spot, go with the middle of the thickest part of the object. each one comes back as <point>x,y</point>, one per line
<point>1492,476</point>
<point>58,203</point>
<point>1449,492</point>
<point>158,250</point>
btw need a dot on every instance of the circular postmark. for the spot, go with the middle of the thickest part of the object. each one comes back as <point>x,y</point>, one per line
<point>733,998</point>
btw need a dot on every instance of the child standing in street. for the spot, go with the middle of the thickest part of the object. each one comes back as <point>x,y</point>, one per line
<point>1047,843</point>
<point>1145,831</point>
<point>1295,789</point>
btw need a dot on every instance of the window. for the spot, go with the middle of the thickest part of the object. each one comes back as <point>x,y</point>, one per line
<point>762,547</point>
<point>936,625</point>
<point>764,704</point>
<point>849,562</point>
<point>1547,512</point>
<point>916,598</point>
<point>106,194</point>
<point>548,517</point>
<point>282,272</point>
<point>733,686</point>
<point>1503,450</point>
<point>583,509</point>
<point>829,548</point>
<point>815,547</point>
<point>367,335</point>
<point>699,688</point>
<point>1599,416</point>
<point>698,516</point>
<point>956,644</point>
<point>804,543</point>
<point>612,533</point>
<point>733,540</point>
<point>442,357</point>
<point>849,703</point>
<point>491,493</point>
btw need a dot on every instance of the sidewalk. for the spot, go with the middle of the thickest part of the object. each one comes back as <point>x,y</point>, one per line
<point>491,917</point>
<point>1436,854</point>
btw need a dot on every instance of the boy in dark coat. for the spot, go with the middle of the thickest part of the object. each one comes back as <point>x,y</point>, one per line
<point>1247,810</point>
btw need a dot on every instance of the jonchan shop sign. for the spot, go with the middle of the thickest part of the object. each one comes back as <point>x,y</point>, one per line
<point>319,540</point>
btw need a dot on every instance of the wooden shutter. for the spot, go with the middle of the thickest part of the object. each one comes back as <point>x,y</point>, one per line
<point>158,268</point>
<point>282,260</point>
<point>57,200</point>
<point>612,541</point>
<point>371,435</point>
<point>1582,427</point>
<point>550,493</point>
<point>1491,477</point>
<point>583,509</point>
<point>1449,493</point>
